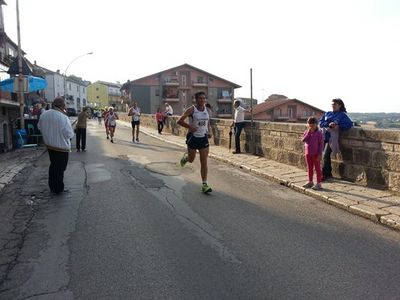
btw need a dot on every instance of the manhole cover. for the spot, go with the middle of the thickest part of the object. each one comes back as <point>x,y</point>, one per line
<point>166,168</point>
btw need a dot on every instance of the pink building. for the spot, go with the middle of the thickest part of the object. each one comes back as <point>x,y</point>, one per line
<point>285,110</point>
<point>177,86</point>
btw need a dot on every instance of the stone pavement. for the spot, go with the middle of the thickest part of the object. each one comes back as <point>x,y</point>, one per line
<point>379,206</point>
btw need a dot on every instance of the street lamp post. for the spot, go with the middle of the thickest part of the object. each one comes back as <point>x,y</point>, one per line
<point>66,69</point>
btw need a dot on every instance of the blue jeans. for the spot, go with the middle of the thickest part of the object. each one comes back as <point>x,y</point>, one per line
<point>238,131</point>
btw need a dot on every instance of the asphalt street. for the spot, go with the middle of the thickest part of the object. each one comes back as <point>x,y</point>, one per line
<point>136,226</point>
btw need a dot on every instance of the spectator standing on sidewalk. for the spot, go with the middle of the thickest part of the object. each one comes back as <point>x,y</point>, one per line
<point>313,147</point>
<point>168,113</point>
<point>238,123</point>
<point>98,114</point>
<point>160,120</point>
<point>81,126</point>
<point>333,122</point>
<point>197,137</point>
<point>134,111</point>
<point>57,133</point>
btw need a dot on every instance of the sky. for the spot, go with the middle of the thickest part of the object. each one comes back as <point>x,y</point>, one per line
<point>311,50</point>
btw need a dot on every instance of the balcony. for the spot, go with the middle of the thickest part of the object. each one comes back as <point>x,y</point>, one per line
<point>224,100</point>
<point>224,115</point>
<point>171,83</point>
<point>5,100</point>
<point>171,80</point>
<point>171,99</point>
<point>199,84</point>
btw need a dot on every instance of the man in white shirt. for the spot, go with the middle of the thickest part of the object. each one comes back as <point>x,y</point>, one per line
<point>238,123</point>
<point>57,133</point>
<point>168,113</point>
<point>168,110</point>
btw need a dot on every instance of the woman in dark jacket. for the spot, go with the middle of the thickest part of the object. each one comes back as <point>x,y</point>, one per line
<point>335,119</point>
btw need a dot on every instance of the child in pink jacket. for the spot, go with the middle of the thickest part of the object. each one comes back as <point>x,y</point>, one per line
<point>313,147</point>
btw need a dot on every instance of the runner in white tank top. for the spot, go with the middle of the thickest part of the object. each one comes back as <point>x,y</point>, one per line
<point>199,119</point>
<point>197,137</point>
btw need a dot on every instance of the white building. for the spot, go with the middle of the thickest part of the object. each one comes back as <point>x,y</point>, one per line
<point>76,92</point>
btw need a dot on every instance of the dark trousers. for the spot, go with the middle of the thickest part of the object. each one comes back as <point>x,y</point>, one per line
<point>81,136</point>
<point>58,164</point>
<point>238,130</point>
<point>327,166</point>
<point>160,126</point>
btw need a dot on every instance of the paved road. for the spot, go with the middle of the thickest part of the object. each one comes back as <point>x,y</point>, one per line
<point>135,226</point>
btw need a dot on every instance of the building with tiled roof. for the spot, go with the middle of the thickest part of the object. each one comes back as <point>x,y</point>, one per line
<point>177,86</point>
<point>278,108</point>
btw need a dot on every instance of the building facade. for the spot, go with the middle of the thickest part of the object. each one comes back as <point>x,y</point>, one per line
<point>247,102</point>
<point>9,106</point>
<point>282,109</point>
<point>76,92</point>
<point>102,93</point>
<point>177,86</point>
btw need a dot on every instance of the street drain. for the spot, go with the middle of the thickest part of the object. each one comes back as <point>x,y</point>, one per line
<point>166,168</point>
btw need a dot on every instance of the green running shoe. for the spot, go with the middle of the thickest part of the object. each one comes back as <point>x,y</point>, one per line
<point>206,188</point>
<point>184,160</point>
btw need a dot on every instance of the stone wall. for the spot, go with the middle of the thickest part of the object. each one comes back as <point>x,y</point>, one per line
<point>370,157</point>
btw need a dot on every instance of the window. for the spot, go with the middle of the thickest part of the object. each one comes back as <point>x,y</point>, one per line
<point>290,112</point>
<point>200,79</point>
<point>183,80</point>
<point>157,92</point>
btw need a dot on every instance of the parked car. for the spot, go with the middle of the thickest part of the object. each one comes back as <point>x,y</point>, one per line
<point>71,112</point>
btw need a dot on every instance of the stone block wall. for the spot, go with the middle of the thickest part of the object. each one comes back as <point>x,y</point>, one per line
<point>370,157</point>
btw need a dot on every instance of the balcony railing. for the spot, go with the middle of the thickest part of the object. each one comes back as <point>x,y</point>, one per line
<point>6,100</point>
<point>171,82</point>
<point>224,115</point>
<point>199,83</point>
<point>224,100</point>
<point>171,99</point>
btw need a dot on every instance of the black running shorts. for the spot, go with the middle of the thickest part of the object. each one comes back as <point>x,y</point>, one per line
<point>196,142</point>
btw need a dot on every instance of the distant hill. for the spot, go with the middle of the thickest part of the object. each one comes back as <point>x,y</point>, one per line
<point>380,120</point>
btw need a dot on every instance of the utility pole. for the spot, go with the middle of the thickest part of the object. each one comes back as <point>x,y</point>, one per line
<point>253,141</point>
<point>20,76</point>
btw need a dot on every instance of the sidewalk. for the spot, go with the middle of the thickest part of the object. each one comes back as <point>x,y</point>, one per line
<point>13,162</point>
<point>377,205</point>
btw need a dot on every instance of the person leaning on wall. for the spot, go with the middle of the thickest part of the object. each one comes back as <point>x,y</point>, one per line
<point>238,123</point>
<point>332,123</point>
